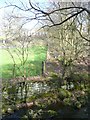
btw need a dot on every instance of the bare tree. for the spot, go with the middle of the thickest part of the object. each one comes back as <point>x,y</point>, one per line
<point>16,38</point>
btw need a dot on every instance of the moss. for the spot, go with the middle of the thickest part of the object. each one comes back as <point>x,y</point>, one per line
<point>67,101</point>
<point>78,105</point>
<point>64,93</point>
<point>10,110</point>
<point>4,111</point>
<point>54,75</point>
<point>25,117</point>
<point>52,112</point>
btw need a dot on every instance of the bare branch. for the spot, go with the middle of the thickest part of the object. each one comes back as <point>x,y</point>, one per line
<point>64,20</point>
<point>83,36</point>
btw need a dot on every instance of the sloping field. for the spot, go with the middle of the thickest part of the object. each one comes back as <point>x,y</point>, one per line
<point>33,65</point>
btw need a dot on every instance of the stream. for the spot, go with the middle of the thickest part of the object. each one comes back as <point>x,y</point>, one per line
<point>65,112</point>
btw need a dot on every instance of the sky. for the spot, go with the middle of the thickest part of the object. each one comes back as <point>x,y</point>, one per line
<point>17,2</point>
<point>32,24</point>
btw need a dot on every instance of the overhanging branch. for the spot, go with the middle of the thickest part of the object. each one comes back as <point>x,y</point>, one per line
<point>64,20</point>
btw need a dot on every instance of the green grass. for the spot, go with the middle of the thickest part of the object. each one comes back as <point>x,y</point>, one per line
<point>32,67</point>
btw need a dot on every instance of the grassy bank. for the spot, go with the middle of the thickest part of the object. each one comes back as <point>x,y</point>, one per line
<point>33,65</point>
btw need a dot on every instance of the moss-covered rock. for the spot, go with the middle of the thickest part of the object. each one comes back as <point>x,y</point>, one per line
<point>25,117</point>
<point>4,110</point>
<point>52,112</point>
<point>64,93</point>
<point>78,105</point>
<point>67,101</point>
<point>10,110</point>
